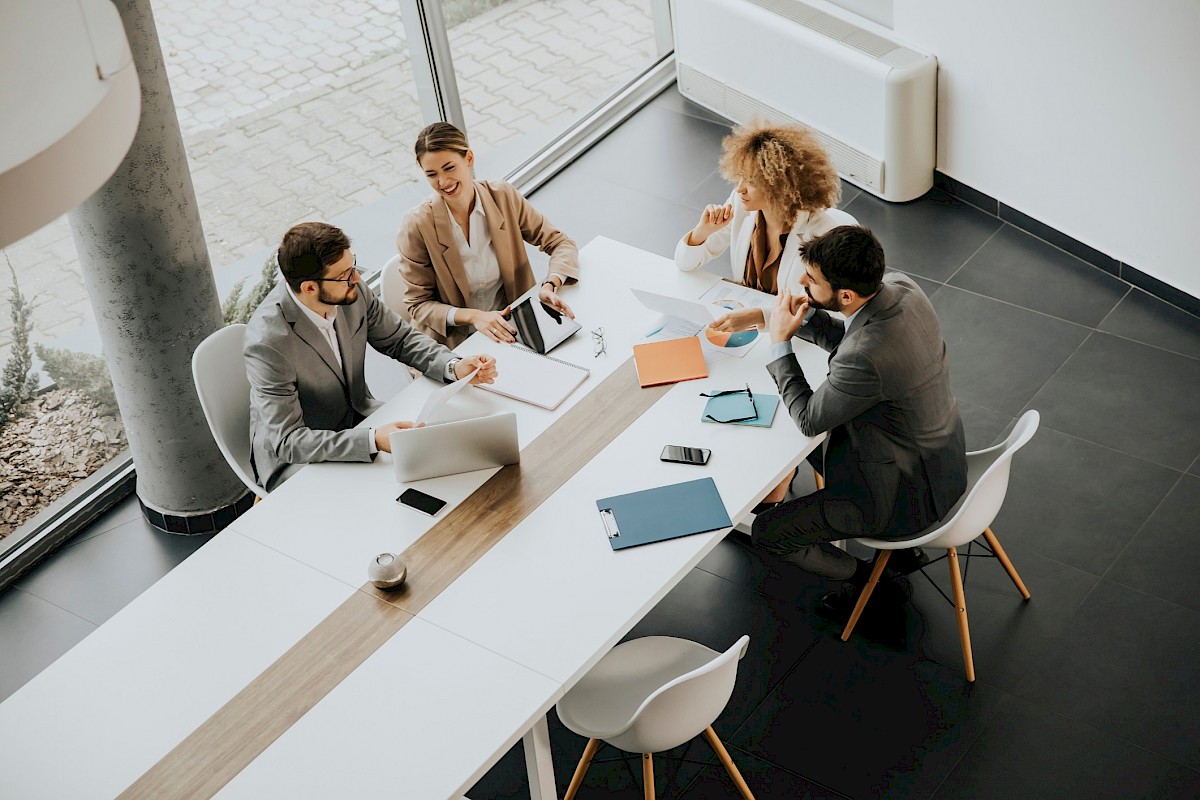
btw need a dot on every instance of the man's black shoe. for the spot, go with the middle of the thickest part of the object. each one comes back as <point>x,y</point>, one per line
<point>906,561</point>
<point>837,606</point>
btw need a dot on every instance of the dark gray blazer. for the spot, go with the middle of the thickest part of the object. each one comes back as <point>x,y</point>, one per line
<point>302,405</point>
<point>895,460</point>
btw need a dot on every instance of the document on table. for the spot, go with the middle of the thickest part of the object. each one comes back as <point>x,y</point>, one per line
<point>730,296</point>
<point>727,296</point>
<point>438,397</point>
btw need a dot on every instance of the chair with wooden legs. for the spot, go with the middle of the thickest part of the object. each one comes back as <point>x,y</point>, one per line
<point>649,695</point>
<point>969,518</point>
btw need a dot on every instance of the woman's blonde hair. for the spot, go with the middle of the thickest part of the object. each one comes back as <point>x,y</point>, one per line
<point>786,162</point>
<point>441,136</point>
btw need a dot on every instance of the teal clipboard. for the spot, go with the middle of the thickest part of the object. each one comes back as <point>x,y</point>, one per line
<point>733,406</point>
<point>666,512</point>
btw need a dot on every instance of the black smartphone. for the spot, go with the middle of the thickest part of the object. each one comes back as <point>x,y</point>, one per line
<point>421,501</point>
<point>685,455</point>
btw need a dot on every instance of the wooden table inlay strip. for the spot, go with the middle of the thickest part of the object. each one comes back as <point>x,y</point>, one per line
<point>449,548</point>
<point>229,740</point>
<point>213,754</point>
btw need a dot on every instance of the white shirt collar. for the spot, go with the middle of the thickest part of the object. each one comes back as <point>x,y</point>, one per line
<point>322,323</point>
<point>850,319</point>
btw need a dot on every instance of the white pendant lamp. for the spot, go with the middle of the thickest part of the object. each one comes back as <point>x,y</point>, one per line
<point>69,107</point>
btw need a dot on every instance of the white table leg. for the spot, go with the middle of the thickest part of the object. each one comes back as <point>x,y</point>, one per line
<point>538,763</point>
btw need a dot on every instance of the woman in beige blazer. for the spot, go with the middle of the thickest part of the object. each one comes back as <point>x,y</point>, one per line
<point>785,193</point>
<point>462,251</point>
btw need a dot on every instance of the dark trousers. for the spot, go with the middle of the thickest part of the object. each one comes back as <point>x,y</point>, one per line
<point>799,530</point>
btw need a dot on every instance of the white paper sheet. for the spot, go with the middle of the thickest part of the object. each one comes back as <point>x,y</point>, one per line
<point>438,397</point>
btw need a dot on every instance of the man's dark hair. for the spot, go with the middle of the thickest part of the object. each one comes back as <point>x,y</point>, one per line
<point>849,256</point>
<point>307,249</point>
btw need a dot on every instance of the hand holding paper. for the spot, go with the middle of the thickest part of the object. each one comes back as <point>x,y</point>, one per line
<point>438,397</point>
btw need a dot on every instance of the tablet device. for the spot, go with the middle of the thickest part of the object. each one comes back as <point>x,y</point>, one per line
<point>540,327</point>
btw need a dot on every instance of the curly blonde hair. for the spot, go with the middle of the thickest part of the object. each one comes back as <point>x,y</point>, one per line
<point>785,161</point>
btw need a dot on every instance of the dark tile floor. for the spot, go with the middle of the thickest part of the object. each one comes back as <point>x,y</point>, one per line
<point>1088,690</point>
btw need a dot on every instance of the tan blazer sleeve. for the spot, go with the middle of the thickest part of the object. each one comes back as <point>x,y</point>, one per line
<point>537,230</point>
<point>423,303</point>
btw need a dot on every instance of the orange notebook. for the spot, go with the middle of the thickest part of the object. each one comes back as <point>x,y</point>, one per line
<point>669,362</point>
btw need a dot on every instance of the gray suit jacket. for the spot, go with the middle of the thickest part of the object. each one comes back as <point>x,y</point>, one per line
<point>302,405</point>
<point>895,459</point>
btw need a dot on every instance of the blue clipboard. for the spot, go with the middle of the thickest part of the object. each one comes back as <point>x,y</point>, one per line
<point>735,406</point>
<point>666,512</point>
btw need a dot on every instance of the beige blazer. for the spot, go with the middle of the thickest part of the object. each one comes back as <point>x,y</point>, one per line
<point>433,272</point>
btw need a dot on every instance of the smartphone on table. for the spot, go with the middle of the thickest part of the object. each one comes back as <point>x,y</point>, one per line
<point>685,455</point>
<point>426,503</point>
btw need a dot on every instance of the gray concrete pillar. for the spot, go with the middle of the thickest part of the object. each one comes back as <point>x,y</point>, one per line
<point>147,272</point>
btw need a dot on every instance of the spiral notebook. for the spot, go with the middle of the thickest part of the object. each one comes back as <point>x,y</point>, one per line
<point>532,377</point>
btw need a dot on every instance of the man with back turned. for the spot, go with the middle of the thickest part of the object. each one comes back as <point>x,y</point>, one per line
<point>894,460</point>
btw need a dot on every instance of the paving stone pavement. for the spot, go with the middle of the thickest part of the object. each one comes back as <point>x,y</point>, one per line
<point>296,108</point>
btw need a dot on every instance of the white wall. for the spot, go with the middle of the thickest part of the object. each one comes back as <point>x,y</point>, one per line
<point>1084,114</point>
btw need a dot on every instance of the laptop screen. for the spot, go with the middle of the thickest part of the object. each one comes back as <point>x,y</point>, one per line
<point>540,327</point>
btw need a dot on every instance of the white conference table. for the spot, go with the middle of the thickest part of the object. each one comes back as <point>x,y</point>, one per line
<point>431,710</point>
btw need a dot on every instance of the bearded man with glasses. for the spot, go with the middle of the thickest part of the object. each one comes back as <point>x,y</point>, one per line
<point>305,352</point>
<point>894,460</point>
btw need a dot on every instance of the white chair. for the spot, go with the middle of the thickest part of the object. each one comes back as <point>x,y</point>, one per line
<point>219,372</point>
<point>840,217</point>
<point>383,376</point>
<point>652,694</point>
<point>987,484</point>
<point>391,284</point>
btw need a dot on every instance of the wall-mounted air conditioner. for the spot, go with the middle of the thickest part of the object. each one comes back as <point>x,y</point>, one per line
<point>870,100</point>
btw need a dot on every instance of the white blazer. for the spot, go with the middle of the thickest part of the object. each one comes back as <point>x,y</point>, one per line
<point>808,226</point>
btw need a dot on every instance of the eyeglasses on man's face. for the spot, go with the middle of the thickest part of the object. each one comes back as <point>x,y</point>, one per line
<point>725,392</point>
<point>346,277</point>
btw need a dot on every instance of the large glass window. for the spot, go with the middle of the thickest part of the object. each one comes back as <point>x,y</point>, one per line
<point>526,69</point>
<point>292,110</point>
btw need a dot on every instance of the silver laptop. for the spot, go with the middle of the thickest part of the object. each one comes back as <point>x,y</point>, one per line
<point>447,448</point>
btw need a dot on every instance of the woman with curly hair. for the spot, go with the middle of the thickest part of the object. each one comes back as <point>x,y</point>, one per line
<point>785,193</point>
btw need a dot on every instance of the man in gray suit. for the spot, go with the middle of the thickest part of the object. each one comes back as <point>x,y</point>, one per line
<point>894,461</point>
<point>305,349</point>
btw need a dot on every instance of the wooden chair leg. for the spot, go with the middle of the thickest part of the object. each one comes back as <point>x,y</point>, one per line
<point>960,608</point>
<point>648,776</point>
<point>711,736</point>
<point>994,543</point>
<point>880,562</point>
<point>581,769</point>
<point>777,494</point>
<point>818,479</point>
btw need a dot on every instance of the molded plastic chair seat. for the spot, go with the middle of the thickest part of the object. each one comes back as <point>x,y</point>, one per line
<point>219,372</point>
<point>987,485</point>
<point>391,284</point>
<point>653,694</point>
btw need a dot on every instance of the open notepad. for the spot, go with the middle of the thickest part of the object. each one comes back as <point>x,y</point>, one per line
<point>532,377</point>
